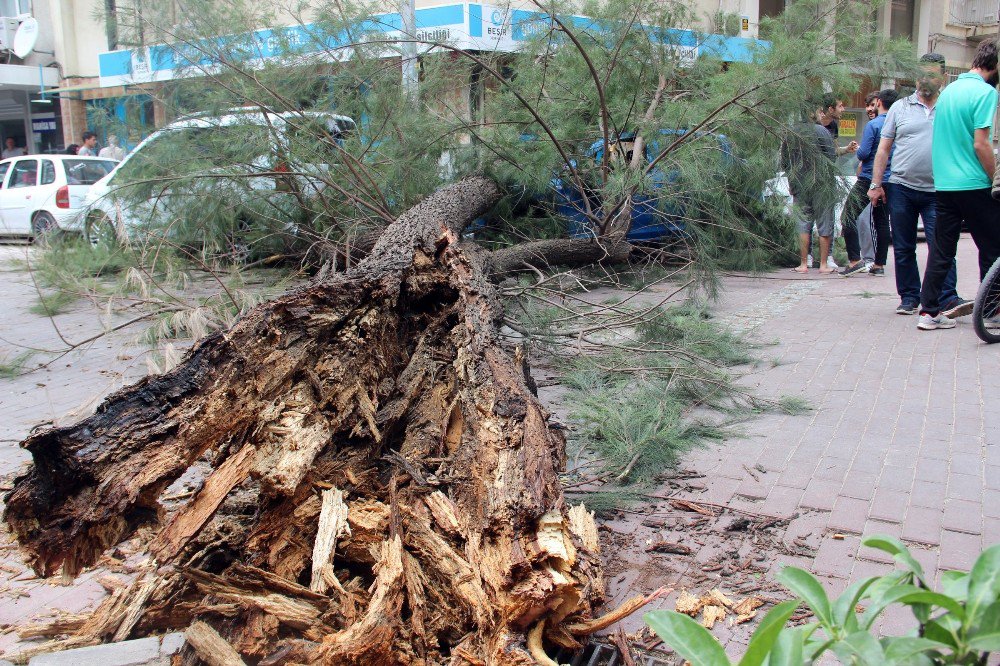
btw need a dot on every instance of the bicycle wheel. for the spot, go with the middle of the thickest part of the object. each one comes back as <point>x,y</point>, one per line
<point>986,312</point>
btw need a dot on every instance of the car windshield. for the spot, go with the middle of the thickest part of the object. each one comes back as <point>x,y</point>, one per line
<point>86,172</point>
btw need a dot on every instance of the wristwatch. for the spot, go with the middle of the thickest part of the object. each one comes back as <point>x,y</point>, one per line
<point>875,186</point>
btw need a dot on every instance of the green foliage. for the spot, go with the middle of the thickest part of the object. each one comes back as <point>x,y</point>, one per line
<point>667,388</point>
<point>959,625</point>
<point>624,78</point>
<point>71,262</point>
<point>53,303</point>
<point>13,366</point>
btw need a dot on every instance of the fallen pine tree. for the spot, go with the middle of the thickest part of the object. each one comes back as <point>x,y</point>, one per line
<point>383,488</point>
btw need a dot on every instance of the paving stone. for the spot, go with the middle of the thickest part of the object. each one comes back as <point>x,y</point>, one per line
<point>958,550</point>
<point>859,486</point>
<point>849,515</point>
<point>889,505</point>
<point>963,516</point>
<point>820,495</point>
<point>125,653</point>
<point>965,487</point>
<point>923,525</point>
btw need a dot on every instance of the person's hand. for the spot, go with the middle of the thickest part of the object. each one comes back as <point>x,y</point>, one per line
<point>852,147</point>
<point>876,195</point>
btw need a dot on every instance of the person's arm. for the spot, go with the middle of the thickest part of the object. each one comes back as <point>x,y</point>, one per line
<point>984,151</point>
<point>877,194</point>
<point>869,145</point>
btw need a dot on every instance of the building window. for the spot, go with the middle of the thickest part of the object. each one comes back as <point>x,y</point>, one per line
<point>13,8</point>
<point>771,8</point>
<point>973,12</point>
<point>901,20</point>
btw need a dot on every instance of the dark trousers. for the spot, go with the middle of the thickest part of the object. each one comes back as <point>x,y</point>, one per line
<point>857,199</point>
<point>905,205</point>
<point>981,213</point>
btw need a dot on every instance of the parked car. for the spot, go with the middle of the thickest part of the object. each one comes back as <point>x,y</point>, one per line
<point>236,165</point>
<point>651,219</point>
<point>43,193</point>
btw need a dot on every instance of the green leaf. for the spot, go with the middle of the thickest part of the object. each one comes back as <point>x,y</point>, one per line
<point>900,553</point>
<point>904,648</point>
<point>984,584</point>
<point>943,630</point>
<point>788,649</point>
<point>985,634</point>
<point>955,584</point>
<point>985,642</point>
<point>911,596</point>
<point>767,632</point>
<point>843,607</point>
<point>688,638</point>
<point>861,645</point>
<point>804,585</point>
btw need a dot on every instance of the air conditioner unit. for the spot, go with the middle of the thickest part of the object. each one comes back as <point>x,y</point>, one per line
<point>8,28</point>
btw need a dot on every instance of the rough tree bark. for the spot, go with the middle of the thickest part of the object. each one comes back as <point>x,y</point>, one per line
<point>384,484</point>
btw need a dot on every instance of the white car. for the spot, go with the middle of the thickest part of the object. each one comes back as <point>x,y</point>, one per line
<point>778,187</point>
<point>42,193</point>
<point>237,161</point>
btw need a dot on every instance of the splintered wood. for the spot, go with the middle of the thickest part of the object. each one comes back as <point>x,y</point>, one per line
<point>384,486</point>
<point>715,606</point>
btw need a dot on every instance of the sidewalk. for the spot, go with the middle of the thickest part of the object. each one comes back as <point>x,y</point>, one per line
<point>903,438</point>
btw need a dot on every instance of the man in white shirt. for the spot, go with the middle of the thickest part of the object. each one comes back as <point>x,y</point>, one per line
<point>112,151</point>
<point>11,149</point>
<point>89,146</point>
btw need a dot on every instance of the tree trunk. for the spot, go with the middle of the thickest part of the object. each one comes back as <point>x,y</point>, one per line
<point>384,485</point>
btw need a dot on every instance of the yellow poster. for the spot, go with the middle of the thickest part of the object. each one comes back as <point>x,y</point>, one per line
<point>848,127</point>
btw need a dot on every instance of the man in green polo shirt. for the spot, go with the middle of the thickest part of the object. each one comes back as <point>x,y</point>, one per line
<point>962,157</point>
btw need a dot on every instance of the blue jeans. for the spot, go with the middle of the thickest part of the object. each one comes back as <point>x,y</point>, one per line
<point>905,204</point>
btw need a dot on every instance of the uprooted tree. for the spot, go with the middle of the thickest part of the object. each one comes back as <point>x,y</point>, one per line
<point>383,484</point>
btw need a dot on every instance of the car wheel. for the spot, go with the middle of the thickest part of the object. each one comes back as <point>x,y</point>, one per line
<point>99,229</point>
<point>43,227</point>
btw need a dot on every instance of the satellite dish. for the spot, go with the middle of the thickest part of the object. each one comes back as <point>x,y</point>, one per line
<point>25,38</point>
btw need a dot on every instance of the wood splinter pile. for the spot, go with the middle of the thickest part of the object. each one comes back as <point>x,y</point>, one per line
<point>384,486</point>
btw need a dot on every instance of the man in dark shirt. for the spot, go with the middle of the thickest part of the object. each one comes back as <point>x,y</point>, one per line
<point>858,197</point>
<point>807,157</point>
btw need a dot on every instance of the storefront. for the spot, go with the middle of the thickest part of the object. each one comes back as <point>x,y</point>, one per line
<point>22,104</point>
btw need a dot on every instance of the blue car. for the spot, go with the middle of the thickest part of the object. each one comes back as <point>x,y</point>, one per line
<point>650,222</point>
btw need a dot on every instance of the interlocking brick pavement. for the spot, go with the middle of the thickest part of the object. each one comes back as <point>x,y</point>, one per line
<point>903,438</point>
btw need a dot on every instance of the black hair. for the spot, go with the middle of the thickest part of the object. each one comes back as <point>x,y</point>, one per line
<point>86,136</point>
<point>935,58</point>
<point>870,97</point>
<point>888,97</point>
<point>72,149</point>
<point>986,56</point>
<point>829,100</point>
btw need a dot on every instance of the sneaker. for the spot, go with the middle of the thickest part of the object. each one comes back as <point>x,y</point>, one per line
<point>958,307</point>
<point>830,263</point>
<point>907,308</point>
<point>809,261</point>
<point>877,271</point>
<point>860,267</point>
<point>929,323</point>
